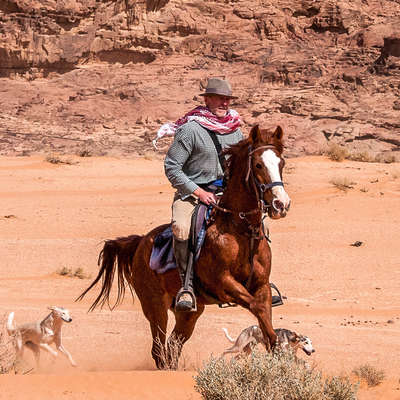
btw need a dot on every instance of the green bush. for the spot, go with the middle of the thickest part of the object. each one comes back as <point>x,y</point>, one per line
<point>266,376</point>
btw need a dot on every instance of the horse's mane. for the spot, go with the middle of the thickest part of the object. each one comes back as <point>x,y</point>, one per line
<point>237,155</point>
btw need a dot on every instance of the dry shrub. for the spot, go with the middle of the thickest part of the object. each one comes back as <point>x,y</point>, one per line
<point>7,349</point>
<point>80,273</point>
<point>367,157</point>
<point>85,153</point>
<point>278,376</point>
<point>370,374</point>
<point>170,354</point>
<point>342,183</point>
<point>53,159</point>
<point>149,156</point>
<point>77,273</point>
<point>336,152</point>
<point>385,158</point>
<point>361,157</point>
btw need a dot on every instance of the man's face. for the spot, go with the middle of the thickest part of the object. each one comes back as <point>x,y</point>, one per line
<point>217,104</point>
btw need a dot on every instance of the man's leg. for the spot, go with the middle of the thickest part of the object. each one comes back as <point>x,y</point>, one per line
<point>182,211</point>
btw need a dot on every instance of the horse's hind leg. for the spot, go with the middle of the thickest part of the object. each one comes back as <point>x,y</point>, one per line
<point>157,314</point>
<point>184,326</point>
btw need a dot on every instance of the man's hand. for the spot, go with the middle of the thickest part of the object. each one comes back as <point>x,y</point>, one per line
<point>204,196</point>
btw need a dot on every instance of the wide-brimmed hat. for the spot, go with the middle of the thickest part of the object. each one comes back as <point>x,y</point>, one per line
<point>219,87</point>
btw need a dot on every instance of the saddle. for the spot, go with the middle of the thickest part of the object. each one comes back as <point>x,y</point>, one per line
<point>162,257</point>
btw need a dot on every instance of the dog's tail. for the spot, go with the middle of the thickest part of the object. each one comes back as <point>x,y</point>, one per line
<point>227,335</point>
<point>10,325</point>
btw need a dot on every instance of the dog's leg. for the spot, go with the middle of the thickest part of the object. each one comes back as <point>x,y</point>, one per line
<point>36,351</point>
<point>46,347</point>
<point>233,349</point>
<point>63,350</point>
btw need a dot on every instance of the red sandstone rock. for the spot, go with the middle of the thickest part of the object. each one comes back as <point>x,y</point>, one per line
<point>103,75</point>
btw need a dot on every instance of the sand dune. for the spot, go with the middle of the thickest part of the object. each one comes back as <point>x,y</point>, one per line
<point>346,298</point>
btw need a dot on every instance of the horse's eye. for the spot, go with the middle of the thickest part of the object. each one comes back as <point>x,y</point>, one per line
<point>258,165</point>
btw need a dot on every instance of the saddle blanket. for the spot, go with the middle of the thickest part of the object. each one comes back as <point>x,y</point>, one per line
<point>162,257</point>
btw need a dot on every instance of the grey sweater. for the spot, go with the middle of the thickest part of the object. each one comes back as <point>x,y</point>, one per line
<point>192,159</point>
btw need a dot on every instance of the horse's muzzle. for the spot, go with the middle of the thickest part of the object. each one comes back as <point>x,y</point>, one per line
<point>278,209</point>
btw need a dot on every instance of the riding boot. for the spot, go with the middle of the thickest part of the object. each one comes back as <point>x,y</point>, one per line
<point>185,298</point>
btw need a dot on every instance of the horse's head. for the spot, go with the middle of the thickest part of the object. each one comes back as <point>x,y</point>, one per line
<point>265,169</point>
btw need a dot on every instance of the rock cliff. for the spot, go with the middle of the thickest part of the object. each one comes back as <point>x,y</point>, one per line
<point>100,76</point>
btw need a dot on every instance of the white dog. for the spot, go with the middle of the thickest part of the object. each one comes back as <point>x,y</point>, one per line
<point>39,335</point>
<point>251,336</point>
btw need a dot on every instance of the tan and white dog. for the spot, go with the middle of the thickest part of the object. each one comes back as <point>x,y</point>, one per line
<point>40,334</point>
<point>251,336</point>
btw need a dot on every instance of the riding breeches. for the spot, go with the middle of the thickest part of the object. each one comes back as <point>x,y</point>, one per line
<point>182,211</point>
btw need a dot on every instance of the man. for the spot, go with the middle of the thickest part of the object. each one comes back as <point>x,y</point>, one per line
<point>192,163</point>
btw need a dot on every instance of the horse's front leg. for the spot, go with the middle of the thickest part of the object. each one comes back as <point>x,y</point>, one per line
<point>262,309</point>
<point>259,305</point>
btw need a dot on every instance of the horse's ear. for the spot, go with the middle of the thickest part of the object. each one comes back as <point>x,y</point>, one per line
<point>255,133</point>
<point>278,133</point>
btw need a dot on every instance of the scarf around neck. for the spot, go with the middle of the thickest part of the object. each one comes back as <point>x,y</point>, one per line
<point>204,117</point>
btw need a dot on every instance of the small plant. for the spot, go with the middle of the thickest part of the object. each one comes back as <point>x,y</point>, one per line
<point>277,376</point>
<point>370,374</point>
<point>85,153</point>
<point>7,349</point>
<point>364,190</point>
<point>65,271</point>
<point>362,157</point>
<point>385,158</point>
<point>336,152</point>
<point>342,183</point>
<point>80,273</point>
<point>148,156</point>
<point>53,159</point>
<point>77,273</point>
<point>169,354</point>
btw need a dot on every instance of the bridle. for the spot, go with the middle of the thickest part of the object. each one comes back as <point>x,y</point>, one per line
<point>252,183</point>
<point>262,187</point>
<point>258,188</point>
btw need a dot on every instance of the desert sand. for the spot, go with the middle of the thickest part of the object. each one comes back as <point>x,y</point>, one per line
<point>345,298</point>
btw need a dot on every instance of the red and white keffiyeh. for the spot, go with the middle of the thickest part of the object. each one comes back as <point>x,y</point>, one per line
<point>203,116</point>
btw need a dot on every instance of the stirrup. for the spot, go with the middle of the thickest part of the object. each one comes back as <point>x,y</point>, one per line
<point>277,299</point>
<point>185,305</point>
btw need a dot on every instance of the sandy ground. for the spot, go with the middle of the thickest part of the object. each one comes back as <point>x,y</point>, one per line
<point>346,298</point>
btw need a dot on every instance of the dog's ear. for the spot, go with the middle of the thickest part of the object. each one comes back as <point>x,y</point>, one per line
<point>294,337</point>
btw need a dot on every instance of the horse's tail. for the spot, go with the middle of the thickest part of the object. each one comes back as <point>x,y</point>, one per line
<point>116,256</point>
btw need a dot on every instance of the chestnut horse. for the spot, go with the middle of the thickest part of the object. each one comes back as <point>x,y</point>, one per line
<point>235,261</point>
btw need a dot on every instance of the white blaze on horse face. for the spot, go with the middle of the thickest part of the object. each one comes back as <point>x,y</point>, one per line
<point>271,161</point>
